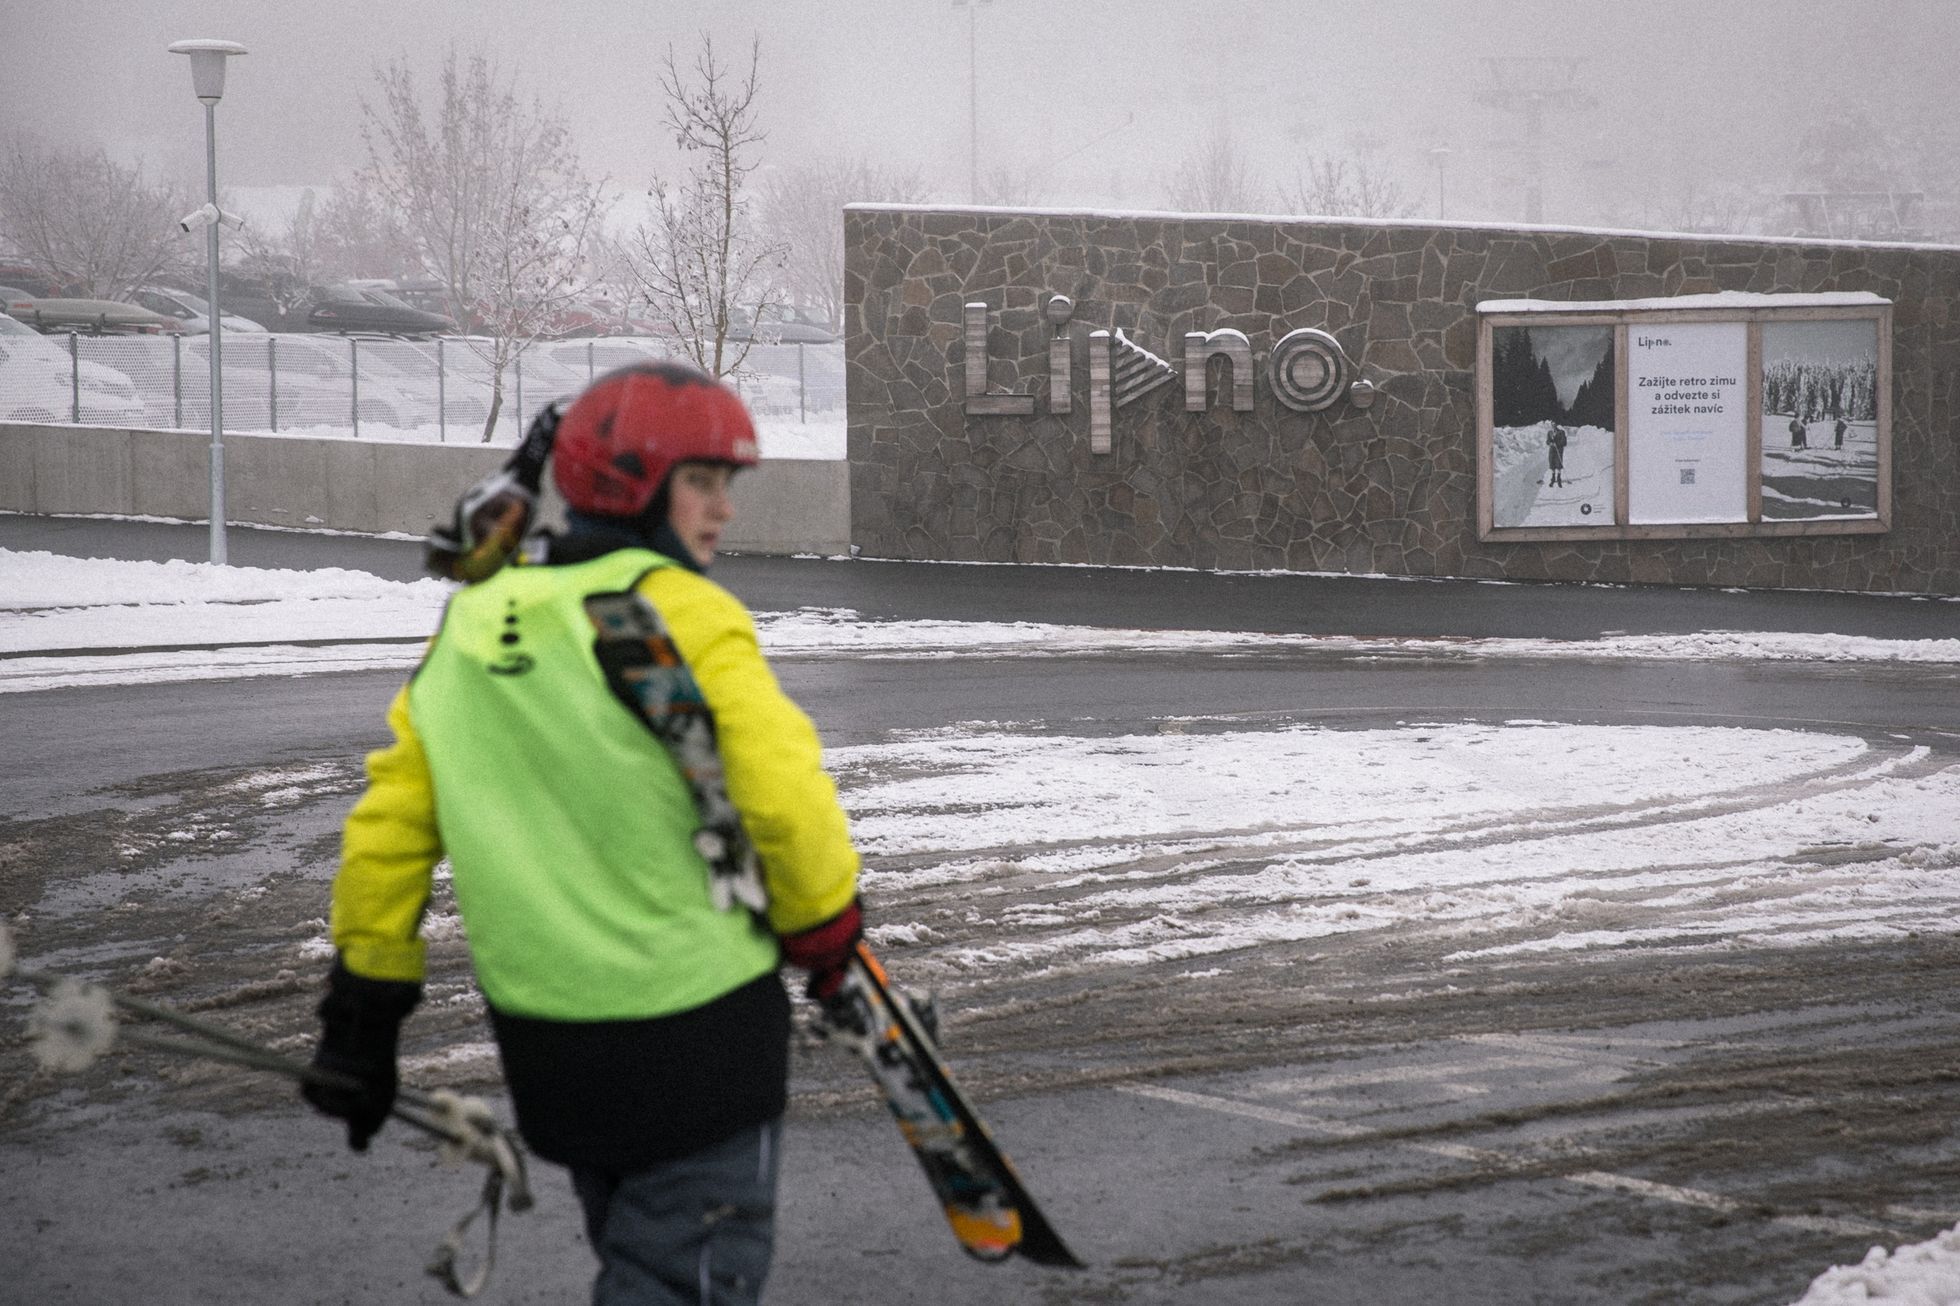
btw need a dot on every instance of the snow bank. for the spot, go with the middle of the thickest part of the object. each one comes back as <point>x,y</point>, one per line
<point>50,603</point>
<point>1923,1274</point>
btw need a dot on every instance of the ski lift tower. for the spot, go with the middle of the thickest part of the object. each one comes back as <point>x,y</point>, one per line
<point>1532,86</point>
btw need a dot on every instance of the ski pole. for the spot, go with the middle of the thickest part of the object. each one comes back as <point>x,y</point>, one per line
<point>76,1024</point>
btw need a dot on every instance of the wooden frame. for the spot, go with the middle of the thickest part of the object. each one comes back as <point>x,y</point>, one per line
<point>1752,312</point>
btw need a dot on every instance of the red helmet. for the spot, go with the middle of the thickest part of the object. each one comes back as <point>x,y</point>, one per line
<point>624,434</point>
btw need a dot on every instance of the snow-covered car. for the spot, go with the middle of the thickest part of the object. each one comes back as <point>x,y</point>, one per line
<point>391,394</point>
<point>593,357</point>
<point>539,377</point>
<point>791,324</point>
<point>266,391</point>
<point>39,382</point>
<point>193,311</point>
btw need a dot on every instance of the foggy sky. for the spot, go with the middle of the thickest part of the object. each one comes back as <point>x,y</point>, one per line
<point>1692,93</point>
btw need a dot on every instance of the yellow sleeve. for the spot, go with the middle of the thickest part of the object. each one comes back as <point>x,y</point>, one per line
<point>389,849</point>
<point>769,752</point>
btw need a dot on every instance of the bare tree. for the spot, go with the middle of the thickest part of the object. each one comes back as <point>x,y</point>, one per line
<point>349,234</point>
<point>1351,187</point>
<point>1013,187</point>
<point>1217,178</point>
<point>355,234</point>
<point>698,261</point>
<point>82,219</point>
<point>491,197</point>
<point>802,213</point>
<point>1722,211</point>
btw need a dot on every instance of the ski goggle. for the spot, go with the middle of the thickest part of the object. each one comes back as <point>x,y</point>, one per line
<point>490,522</point>
<point>493,515</point>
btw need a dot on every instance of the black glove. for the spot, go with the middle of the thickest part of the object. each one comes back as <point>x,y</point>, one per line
<point>360,1023</point>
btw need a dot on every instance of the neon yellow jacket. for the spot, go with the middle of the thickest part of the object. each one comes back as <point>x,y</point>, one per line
<point>567,823</point>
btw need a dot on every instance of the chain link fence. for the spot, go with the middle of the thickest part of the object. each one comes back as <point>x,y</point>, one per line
<point>352,386</point>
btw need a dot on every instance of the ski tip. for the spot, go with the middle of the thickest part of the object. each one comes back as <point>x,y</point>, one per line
<point>986,1235</point>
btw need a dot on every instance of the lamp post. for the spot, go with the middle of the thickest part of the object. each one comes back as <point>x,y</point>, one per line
<point>1440,156</point>
<point>208,80</point>
<point>972,8</point>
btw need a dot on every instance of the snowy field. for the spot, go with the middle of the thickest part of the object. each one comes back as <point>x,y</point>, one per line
<point>1521,489</point>
<point>1687,840</point>
<point>1821,481</point>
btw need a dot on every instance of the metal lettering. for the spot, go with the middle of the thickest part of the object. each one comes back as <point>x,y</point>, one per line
<point>1200,347</point>
<point>1135,371</point>
<point>1061,378</point>
<point>1099,392</point>
<point>1309,370</point>
<point>981,402</point>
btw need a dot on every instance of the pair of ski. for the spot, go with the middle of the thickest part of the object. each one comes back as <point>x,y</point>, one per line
<point>985,1202</point>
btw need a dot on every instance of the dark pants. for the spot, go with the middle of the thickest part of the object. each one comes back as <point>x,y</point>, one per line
<point>698,1231</point>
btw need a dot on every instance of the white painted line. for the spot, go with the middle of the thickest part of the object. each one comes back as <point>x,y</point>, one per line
<point>1314,1085</point>
<point>1589,1178</point>
<point>1574,1047</point>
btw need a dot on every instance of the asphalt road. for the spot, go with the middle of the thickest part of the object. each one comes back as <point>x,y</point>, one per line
<point>1360,1120</point>
<point>1106,596</point>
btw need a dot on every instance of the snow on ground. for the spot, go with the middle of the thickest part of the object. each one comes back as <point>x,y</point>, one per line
<point>1520,476</point>
<point>1505,837</point>
<point>1496,838</point>
<point>56,607</point>
<point>1923,1274</point>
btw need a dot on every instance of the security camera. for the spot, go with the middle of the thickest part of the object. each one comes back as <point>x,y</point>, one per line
<point>208,214</point>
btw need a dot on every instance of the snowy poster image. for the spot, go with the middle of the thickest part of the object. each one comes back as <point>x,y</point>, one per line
<point>1820,420</point>
<point>1687,422</point>
<point>1551,439</point>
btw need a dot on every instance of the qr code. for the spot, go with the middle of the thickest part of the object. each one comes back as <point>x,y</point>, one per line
<point>1687,476</point>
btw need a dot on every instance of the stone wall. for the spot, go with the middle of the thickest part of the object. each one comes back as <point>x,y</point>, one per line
<point>1386,489</point>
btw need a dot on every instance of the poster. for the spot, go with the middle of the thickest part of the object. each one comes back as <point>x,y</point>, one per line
<point>1820,420</point>
<point>1687,422</point>
<point>1553,399</point>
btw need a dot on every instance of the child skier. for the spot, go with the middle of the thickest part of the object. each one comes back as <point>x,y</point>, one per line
<point>641,1022</point>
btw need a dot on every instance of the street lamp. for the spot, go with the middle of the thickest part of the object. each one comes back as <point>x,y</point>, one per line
<point>1440,156</point>
<point>972,8</point>
<point>208,80</point>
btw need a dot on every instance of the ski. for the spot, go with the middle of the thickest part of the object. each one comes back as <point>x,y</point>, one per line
<point>990,1211</point>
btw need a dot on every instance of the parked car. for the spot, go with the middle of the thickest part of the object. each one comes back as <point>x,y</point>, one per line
<point>39,382</point>
<point>791,324</point>
<point>190,310</point>
<point>593,356</point>
<point>95,317</point>
<point>269,385</point>
<point>282,304</point>
<point>598,317</point>
<point>276,302</point>
<point>347,308</point>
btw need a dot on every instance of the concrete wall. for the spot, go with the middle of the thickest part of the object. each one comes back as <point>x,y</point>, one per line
<point>783,506</point>
<point>1386,489</point>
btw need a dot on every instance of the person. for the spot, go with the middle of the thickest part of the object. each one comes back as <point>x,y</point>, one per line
<point>1838,433</point>
<point>643,1029</point>
<point>1797,440</point>
<point>1555,453</point>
